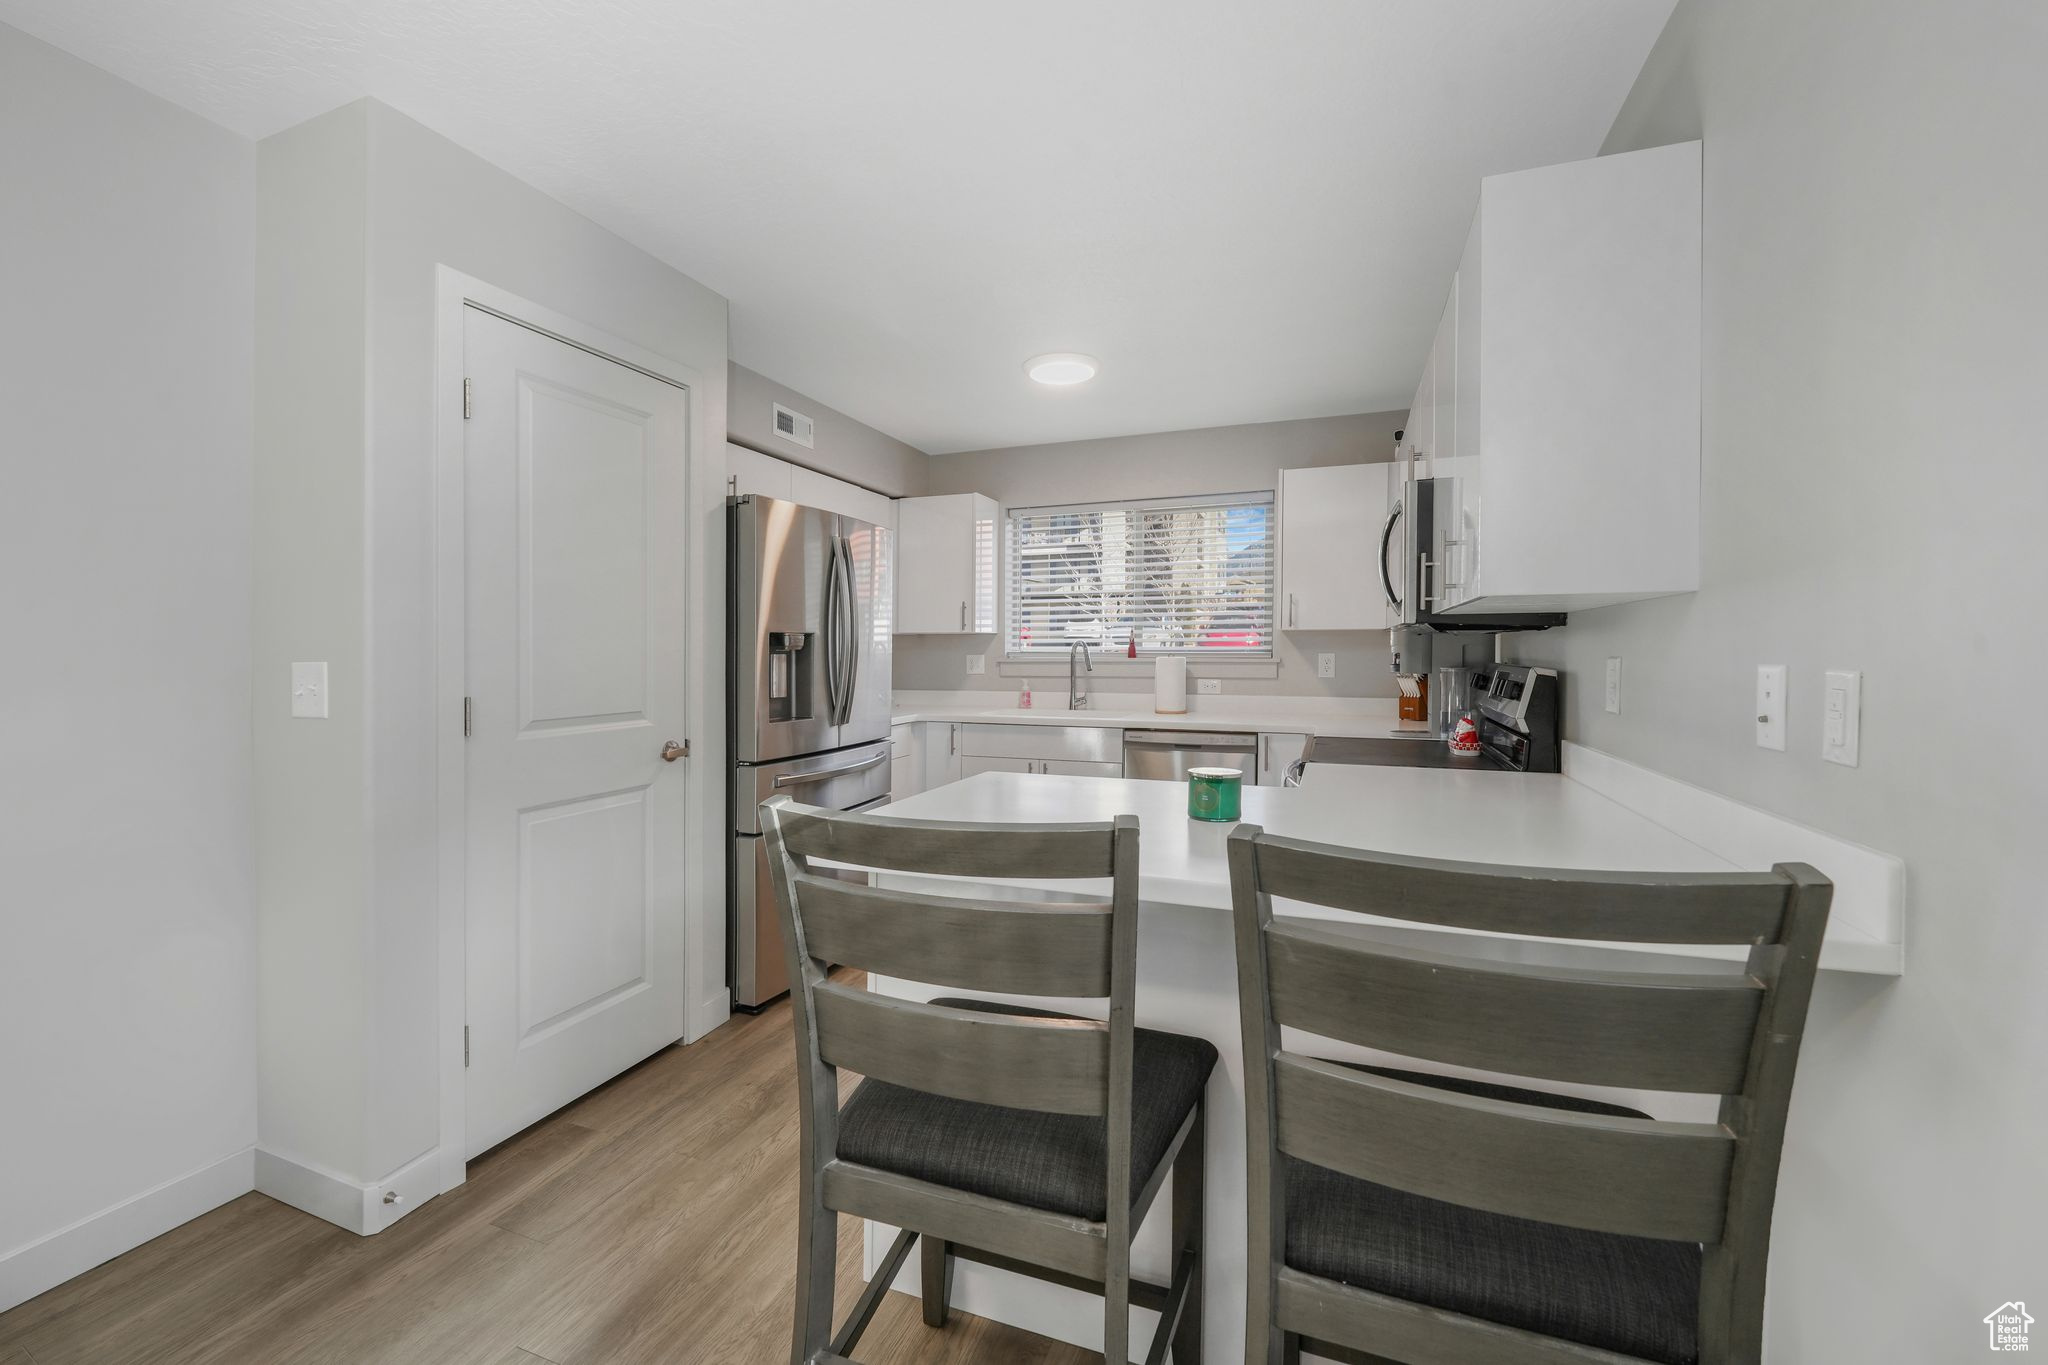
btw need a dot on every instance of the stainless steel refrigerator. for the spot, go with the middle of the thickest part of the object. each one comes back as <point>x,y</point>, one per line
<point>809,624</point>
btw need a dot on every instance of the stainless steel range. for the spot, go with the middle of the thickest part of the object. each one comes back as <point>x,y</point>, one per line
<point>1519,711</point>
<point>809,626</point>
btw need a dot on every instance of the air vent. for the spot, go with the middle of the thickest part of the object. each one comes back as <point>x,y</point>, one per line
<point>791,425</point>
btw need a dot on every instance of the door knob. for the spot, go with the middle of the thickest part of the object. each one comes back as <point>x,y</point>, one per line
<point>672,751</point>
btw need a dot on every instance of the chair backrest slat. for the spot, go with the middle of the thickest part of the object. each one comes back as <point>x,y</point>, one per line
<point>1625,907</point>
<point>939,848</point>
<point>1053,1066</point>
<point>1021,947</point>
<point>1597,1171</point>
<point>1642,1031</point>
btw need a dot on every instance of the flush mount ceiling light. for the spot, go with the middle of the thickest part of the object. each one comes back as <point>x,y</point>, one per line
<point>1061,368</point>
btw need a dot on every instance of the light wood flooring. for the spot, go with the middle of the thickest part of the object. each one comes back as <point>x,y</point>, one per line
<point>651,1221</point>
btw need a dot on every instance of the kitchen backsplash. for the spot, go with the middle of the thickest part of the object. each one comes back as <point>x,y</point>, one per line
<point>938,663</point>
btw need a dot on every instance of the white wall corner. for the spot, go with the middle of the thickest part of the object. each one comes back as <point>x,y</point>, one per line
<point>359,1208</point>
<point>70,1251</point>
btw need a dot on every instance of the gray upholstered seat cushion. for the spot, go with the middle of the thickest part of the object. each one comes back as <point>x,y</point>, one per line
<point>1056,1162</point>
<point>1634,1295</point>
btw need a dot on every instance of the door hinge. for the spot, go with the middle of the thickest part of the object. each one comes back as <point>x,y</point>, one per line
<point>465,400</point>
<point>465,1045</point>
<point>465,717</point>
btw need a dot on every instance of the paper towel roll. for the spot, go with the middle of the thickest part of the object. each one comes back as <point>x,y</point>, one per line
<point>1170,685</point>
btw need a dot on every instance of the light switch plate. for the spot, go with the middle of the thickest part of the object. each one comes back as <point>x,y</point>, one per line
<point>1326,665</point>
<point>1841,717</point>
<point>309,691</point>
<point>1613,686</point>
<point>977,663</point>
<point>1209,687</point>
<point>1770,706</point>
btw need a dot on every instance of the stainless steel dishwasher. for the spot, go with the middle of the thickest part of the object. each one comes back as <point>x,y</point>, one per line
<point>1166,755</point>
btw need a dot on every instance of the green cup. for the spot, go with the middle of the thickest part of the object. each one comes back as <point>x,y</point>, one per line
<point>1215,793</point>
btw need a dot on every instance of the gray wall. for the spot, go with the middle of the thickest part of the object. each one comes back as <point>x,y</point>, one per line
<point>1166,464</point>
<point>127,920</point>
<point>357,209</point>
<point>1873,490</point>
<point>842,446</point>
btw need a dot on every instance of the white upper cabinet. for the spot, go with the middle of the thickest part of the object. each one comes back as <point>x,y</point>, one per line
<point>946,565</point>
<point>756,474</point>
<point>765,476</point>
<point>813,489</point>
<point>1563,392</point>
<point>1330,520</point>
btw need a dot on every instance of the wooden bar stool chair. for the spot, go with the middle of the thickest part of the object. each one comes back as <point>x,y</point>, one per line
<point>1021,1139</point>
<point>1405,1217</point>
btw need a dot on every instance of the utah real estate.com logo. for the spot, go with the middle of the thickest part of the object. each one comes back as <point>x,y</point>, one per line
<point>2008,1324</point>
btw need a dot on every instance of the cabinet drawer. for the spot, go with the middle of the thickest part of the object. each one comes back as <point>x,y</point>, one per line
<point>1083,744</point>
<point>1067,767</point>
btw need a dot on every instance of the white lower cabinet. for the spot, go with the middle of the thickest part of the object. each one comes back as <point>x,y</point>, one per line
<point>976,763</point>
<point>1278,752</point>
<point>1067,767</point>
<point>940,742</point>
<point>906,762</point>
<point>1074,743</point>
<point>1047,767</point>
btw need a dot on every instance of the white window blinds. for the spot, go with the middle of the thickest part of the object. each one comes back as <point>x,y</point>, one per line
<point>1185,575</point>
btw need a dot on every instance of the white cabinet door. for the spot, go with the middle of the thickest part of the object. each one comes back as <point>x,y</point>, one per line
<point>1067,767</point>
<point>813,489</point>
<point>1330,520</point>
<point>755,473</point>
<point>906,762</point>
<point>1577,388</point>
<point>1276,753</point>
<point>576,517</point>
<point>1081,743</point>
<point>1444,540</point>
<point>941,745</point>
<point>946,565</point>
<point>1461,548</point>
<point>977,764</point>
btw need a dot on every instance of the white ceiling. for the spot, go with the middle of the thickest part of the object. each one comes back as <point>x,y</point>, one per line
<point>1248,210</point>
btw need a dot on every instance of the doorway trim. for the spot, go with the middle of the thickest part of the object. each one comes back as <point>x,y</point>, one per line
<point>455,292</point>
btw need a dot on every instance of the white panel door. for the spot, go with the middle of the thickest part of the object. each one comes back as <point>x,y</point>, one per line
<point>575,507</point>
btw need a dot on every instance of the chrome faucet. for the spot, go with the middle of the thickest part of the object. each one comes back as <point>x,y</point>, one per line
<point>1077,691</point>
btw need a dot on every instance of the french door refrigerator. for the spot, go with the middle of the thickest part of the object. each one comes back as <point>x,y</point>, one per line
<point>808,626</point>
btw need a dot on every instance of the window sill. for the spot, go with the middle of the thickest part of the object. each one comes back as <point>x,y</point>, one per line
<point>1122,667</point>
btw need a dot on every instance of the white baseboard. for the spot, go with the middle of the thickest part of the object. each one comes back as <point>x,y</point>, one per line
<point>49,1261</point>
<point>346,1203</point>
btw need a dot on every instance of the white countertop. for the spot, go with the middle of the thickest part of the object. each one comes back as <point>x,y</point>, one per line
<point>1524,819</point>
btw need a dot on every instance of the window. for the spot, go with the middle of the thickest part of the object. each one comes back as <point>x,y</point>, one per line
<point>1186,575</point>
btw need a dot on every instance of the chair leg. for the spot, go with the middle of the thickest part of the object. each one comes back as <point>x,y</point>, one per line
<point>1188,1196</point>
<point>817,1263</point>
<point>936,1258</point>
<point>1290,1349</point>
<point>1116,1306</point>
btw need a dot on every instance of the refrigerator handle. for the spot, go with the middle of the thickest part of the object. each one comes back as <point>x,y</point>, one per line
<point>851,602</point>
<point>829,635</point>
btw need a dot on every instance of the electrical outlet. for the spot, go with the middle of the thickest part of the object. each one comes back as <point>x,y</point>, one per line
<point>1770,706</point>
<point>1841,721</point>
<point>1614,686</point>
<point>1209,687</point>
<point>977,663</point>
<point>1326,665</point>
